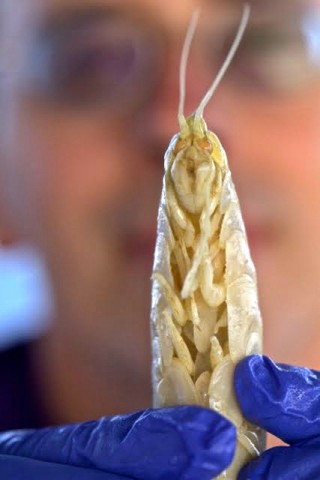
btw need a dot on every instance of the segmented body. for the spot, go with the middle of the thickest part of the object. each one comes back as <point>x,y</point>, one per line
<point>205,313</point>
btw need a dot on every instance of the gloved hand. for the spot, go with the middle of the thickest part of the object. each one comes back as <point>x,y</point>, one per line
<point>285,401</point>
<point>185,443</point>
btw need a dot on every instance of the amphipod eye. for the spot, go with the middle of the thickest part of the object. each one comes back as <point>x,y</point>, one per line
<point>180,145</point>
<point>204,144</point>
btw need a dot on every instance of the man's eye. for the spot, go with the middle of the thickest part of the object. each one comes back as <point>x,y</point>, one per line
<point>264,41</point>
<point>94,71</point>
<point>109,62</point>
<point>272,59</point>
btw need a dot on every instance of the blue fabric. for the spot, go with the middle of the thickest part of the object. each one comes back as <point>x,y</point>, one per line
<point>20,401</point>
<point>285,401</point>
<point>185,443</point>
<point>19,468</point>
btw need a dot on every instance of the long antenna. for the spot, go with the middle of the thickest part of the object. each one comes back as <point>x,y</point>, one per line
<point>228,60</point>
<point>184,60</point>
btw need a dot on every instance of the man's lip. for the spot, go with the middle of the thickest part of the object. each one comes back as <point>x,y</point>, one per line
<point>139,247</point>
<point>256,236</point>
<point>260,235</point>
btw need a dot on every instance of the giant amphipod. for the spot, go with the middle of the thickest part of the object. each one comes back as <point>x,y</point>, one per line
<point>205,315</point>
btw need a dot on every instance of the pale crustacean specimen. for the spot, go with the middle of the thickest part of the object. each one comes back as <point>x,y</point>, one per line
<point>205,314</point>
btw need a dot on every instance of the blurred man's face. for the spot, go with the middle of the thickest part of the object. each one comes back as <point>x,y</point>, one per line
<point>267,112</point>
<point>89,104</point>
<point>82,156</point>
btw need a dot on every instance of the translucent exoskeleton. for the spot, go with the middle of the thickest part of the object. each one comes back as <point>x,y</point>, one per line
<point>205,315</point>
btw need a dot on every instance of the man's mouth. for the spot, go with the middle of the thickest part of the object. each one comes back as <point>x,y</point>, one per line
<point>139,247</point>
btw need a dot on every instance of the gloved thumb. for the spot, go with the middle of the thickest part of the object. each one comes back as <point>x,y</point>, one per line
<point>282,399</point>
<point>186,442</point>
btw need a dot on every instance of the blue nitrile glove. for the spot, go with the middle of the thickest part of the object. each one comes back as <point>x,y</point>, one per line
<point>185,443</point>
<point>285,401</point>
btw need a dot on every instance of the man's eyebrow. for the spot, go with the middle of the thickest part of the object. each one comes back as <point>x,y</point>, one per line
<point>264,5</point>
<point>73,19</point>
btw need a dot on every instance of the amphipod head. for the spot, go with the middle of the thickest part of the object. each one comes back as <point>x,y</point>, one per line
<point>192,169</point>
<point>191,166</point>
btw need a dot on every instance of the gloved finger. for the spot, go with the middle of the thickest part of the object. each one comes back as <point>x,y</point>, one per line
<point>284,463</point>
<point>186,442</point>
<point>20,468</point>
<point>282,399</point>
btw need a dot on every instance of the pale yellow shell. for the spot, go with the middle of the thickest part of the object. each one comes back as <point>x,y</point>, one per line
<point>205,313</point>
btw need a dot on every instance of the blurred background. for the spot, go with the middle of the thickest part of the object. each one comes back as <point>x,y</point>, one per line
<point>89,101</point>
<point>25,299</point>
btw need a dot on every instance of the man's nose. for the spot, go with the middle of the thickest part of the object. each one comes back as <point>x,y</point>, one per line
<point>218,115</point>
<point>158,121</point>
<point>241,127</point>
<point>228,117</point>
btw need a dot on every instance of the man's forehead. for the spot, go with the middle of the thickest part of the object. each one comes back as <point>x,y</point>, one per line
<point>171,7</point>
<point>266,4</point>
<point>23,13</point>
<point>168,12</point>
